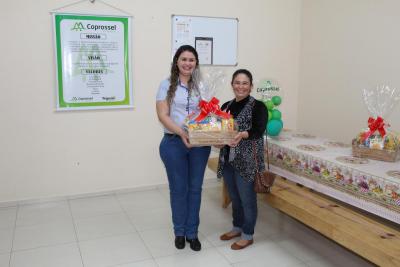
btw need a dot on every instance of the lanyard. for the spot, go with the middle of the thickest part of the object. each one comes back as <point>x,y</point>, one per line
<point>187,98</point>
<point>188,101</point>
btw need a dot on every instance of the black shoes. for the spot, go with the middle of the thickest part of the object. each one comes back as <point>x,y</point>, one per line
<point>194,244</point>
<point>180,242</point>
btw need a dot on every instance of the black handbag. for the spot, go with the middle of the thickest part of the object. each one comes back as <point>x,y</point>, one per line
<point>263,181</point>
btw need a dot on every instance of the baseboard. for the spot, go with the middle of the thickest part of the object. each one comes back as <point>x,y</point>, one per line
<point>208,182</point>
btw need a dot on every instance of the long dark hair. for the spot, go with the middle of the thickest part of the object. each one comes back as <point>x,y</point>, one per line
<point>173,79</point>
<point>245,72</point>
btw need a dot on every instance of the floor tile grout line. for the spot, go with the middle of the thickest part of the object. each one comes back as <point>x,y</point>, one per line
<point>183,252</point>
<point>287,230</point>
<point>232,263</point>
<point>292,236</point>
<point>220,253</point>
<point>289,252</point>
<point>76,233</point>
<point>43,246</point>
<point>129,262</point>
<point>103,237</point>
<point>99,215</point>
<point>113,195</point>
<point>111,235</point>
<point>41,223</point>
<point>126,207</point>
<point>13,235</point>
<point>137,232</point>
<point>141,231</point>
<point>154,228</point>
<point>162,195</point>
<point>125,212</point>
<point>216,248</point>
<point>292,254</point>
<point>188,252</point>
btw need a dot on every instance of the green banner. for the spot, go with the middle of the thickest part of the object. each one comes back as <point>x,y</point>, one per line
<point>93,61</point>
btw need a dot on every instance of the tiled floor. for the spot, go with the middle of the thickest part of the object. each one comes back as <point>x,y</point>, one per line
<point>134,230</point>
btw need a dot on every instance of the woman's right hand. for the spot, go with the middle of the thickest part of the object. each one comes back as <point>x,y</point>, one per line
<point>165,119</point>
<point>218,146</point>
<point>185,139</point>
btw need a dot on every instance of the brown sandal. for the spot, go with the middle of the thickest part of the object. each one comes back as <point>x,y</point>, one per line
<point>226,236</point>
<point>236,246</point>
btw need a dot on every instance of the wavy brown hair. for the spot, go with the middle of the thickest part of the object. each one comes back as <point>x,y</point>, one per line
<point>174,77</point>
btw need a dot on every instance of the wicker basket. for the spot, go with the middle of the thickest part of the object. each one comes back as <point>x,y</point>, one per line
<point>377,154</point>
<point>204,138</point>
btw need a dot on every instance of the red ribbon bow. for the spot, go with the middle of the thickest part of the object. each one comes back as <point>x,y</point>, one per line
<point>211,107</point>
<point>377,124</point>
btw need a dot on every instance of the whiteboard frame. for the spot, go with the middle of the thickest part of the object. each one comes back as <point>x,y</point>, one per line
<point>206,17</point>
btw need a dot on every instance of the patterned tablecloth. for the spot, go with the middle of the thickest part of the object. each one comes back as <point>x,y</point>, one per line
<point>328,167</point>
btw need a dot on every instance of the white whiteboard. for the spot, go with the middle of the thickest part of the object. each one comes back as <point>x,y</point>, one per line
<point>215,39</point>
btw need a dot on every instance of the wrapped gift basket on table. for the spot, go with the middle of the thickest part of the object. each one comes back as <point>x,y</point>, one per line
<point>378,141</point>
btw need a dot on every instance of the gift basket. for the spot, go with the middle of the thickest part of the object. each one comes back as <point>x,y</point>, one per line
<point>210,125</point>
<point>377,141</point>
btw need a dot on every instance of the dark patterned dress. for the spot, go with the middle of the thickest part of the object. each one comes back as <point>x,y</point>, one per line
<point>241,157</point>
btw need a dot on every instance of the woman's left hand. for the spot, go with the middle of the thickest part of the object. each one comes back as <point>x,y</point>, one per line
<point>238,138</point>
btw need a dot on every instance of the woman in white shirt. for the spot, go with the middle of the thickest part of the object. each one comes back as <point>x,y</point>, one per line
<point>177,97</point>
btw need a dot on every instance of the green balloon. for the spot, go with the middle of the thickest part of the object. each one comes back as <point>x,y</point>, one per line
<point>269,104</point>
<point>277,100</point>
<point>274,127</point>
<point>276,114</point>
<point>269,115</point>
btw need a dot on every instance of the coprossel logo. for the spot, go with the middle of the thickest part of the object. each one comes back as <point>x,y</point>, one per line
<point>78,26</point>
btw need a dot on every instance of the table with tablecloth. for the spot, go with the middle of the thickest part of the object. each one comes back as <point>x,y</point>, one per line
<point>328,167</point>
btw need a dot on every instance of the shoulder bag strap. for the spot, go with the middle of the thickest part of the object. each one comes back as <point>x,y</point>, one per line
<point>255,154</point>
<point>266,144</point>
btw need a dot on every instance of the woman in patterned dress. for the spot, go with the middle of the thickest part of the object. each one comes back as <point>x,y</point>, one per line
<point>237,163</point>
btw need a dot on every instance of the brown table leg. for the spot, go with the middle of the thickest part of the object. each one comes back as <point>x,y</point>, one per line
<point>213,165</point>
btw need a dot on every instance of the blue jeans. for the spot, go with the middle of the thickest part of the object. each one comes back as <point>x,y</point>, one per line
<point>244,201</point>
<point>185,170</point>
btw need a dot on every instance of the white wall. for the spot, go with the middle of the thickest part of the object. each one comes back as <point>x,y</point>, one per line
<point>346,46</point>
<point>44,153</point>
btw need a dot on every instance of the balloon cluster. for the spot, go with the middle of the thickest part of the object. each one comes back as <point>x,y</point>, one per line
<point>275,124</point>
<point>272,97</point>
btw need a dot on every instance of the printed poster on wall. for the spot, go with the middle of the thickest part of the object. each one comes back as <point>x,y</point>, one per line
<point>93,61</point>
